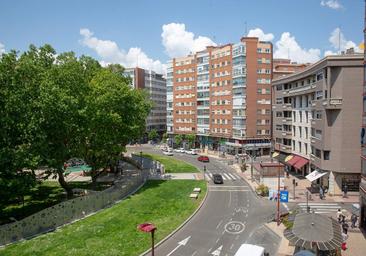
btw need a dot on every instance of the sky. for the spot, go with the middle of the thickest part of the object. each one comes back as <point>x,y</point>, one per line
<point>148,33</point>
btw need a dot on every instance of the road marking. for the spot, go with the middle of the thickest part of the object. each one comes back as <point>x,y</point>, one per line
<point>285,205</point>
<point>195,252</point>
<point>226,177</point>
<point>217,240</point>
<point>217,251</point>
<point>236,190</point>
<point>218,224</point>
<point>213,186</point>
<point>229,199</point>
<point>207,177</point>
<point>234,227</point>
<point>181,243</point>
<point>231,247</point>
<point>209,249</point>
<point>231,176</point>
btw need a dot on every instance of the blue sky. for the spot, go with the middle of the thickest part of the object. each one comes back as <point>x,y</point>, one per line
<point>130,32</point>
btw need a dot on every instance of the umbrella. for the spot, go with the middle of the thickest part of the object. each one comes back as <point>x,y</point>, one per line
<point>304,253</point>
<point>311,230</point>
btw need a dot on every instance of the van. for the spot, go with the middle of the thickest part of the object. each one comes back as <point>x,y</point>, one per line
<point>250,250</point>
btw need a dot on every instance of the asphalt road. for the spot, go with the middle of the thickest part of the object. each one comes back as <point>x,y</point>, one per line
<point>231,215</point>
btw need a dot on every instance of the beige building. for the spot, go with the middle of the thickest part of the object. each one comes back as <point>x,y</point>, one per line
<point>223,95</point>
<point>284,67</point>
<point>316,121</point>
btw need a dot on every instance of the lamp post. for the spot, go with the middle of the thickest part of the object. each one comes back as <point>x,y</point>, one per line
<point>278,195</point>
<point>148,228</point>
<point>204,172</point>
<point>141,160</point>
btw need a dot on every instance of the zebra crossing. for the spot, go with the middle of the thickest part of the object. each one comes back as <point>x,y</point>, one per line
<point>225,175</point>
<point>321,208</point>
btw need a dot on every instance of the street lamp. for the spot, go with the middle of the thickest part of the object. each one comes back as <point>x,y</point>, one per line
<point>204,172</point>
<point>141,160</point>
<point>148,228</point>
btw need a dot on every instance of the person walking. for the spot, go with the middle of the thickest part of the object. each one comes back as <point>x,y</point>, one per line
<point>339,215</point>
<point>353,220</point>
<point>345,190</point>
<point>321,193</point>
<point>345,227</point>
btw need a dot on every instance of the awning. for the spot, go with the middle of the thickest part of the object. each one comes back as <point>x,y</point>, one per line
<point>275,154</point>
<point>281,157</point>
<point>297,161</point>
<point>288,158</point>
<point>315,175</point>
<point>301,162</point>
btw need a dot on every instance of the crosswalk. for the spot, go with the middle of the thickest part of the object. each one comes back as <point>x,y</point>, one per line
<point>225,175</point>
<point>321,208</point>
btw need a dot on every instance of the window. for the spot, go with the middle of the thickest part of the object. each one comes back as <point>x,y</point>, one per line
<point>299,146</point>
<point>300,117</point>
<point>278,100</point>
<point>319,95</point>
<point>306,148</point>
<point>294,130</point>
<point>317,153</point>
<point>326,154</point>
<point>294,116</point>
<point>278,114</point>
<point>300,131</point>
<point>278,127</point>
<point>306,133</point>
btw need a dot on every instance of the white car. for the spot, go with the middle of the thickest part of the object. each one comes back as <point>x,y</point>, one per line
<point>191,152</point>
<point>168,153</point>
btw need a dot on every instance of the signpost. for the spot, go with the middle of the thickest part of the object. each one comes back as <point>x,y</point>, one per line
<point>148,228</point>
<point>284,196</point>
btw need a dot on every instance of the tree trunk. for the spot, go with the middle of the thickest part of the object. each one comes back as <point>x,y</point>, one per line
<point>64,185</point>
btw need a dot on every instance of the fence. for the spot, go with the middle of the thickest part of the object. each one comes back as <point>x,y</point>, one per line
<point>154,167</point>
<point>51,218</point>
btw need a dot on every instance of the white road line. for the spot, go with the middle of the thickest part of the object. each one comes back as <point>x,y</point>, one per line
<point>237,176</point>
<point>229,199</point>
<point>218,224</point>
<point>285,205</point>
<point>209,249</point>
<point>231,247</point>
<point>226,177</point>
<point>235,190</point>
<point>231,176</point>
<point>195,252</point>
<point>207,177</point>
<point>217,240</point>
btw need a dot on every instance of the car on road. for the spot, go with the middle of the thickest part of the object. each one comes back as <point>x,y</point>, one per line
<point>179,150</point>
<point>203,159</point>
<point>217,179</point>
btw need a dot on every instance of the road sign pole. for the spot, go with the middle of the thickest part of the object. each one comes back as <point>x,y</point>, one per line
<point>278,196</point>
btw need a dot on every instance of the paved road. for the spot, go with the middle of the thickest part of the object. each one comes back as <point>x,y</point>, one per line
<point>231,215</point>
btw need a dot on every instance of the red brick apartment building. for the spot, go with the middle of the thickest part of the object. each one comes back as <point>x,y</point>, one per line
<point>223,95</point>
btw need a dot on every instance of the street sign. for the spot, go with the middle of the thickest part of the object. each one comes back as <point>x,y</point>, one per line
<point>284,196</point>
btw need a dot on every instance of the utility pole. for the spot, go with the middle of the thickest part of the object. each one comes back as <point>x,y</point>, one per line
<point>278,195</point>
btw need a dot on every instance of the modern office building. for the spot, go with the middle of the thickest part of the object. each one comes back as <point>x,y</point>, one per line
<point>223,95</point>
<point>284,67</point>
<point>155,85</point>
<point>316,121</point>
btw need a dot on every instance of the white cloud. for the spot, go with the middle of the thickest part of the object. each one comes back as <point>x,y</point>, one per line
<point>287,47</point>
<point>111,53</point>
<point>179,42</point>
<point>333,4</point>
<point>339,41</point>
<point>2,48</point>
<point>257,32</point>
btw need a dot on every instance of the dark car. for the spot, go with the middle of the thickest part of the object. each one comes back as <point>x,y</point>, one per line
<point>203,159</point>
<point>217,179</point>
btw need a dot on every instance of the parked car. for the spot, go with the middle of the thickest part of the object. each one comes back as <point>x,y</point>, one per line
<point>203,159</point>
<point>217,179</point>
<point>251,249</point>
<point>191,152</point>
<point>168,153</point>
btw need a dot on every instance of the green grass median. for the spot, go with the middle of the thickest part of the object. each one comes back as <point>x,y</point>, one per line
<point>171,164</point>
<point>114,231</point>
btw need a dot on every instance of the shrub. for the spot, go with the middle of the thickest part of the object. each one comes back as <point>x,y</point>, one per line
<point>262,190</point>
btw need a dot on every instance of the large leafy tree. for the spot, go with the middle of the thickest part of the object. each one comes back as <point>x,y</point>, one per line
<point>153,135</point>
<point>115,113</point>
<point>191,139</point>
<point>178,139</point>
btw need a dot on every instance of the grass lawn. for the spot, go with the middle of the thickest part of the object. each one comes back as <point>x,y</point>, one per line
<point>114,231</point>
<point>171,164</point>
<point>44,195</point>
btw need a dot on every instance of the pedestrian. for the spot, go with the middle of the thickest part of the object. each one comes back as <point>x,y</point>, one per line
<point>321,191</point>
<point>343,218</point>
<point>345,190</point>
<point>345,227</point>
<point>339,214</point>
<point>353,220</point>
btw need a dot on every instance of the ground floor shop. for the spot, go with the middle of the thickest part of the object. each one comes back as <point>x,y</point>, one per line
<point>363,206</point>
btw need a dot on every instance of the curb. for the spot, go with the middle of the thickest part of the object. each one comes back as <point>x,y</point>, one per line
<point>180,227</point>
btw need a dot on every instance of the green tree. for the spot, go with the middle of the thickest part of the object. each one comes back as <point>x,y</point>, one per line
<point>115,113</point>
<point>191,140</point>
<point>178,139</point>
<point>153,135</point>
<point>165,137</point>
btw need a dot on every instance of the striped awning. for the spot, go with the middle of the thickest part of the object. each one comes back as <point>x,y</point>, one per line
<point>288,158</point>
<point>275,154</point>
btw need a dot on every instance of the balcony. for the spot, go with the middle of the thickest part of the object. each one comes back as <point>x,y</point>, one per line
<point>287,120</point>
<point>287,134</point>
<point>333,103</point>
<point>287,106</point>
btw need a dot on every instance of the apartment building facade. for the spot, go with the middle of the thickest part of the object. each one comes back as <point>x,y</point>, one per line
<point>284,67</point>
<point>223,95</point>
<point>155,85</point>
<point>316,121</point>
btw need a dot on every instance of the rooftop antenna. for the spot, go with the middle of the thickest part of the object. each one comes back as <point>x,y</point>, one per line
<point>137,60</point>
<point>246,28</point>
<point>288,53</point>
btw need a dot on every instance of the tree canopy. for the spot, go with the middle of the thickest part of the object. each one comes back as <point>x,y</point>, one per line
<point>57,106</point>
